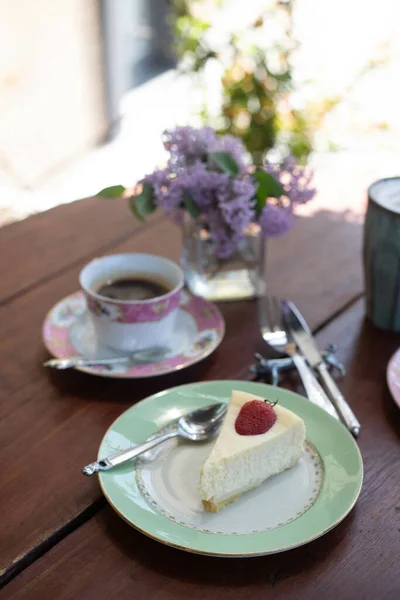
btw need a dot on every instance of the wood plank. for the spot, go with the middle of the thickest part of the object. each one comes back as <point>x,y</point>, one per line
<point>61,417</point>
<point>317,265</point>
<point>37,248</point>
<point>105,558</point>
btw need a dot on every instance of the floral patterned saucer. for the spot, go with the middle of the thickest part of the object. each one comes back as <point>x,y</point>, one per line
<point>68,330</point>
<point>393,376</point>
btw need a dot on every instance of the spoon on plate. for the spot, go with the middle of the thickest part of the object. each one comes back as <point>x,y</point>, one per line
<point>147,355</point>
<point>198,426</point>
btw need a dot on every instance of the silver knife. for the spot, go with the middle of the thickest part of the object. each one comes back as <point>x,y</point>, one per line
<point>305,342</point>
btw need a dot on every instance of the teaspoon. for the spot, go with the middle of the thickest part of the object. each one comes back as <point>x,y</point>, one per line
<point>198,426</point>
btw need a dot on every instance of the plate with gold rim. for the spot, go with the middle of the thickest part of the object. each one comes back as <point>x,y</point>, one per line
<point>158,494</point>
<point>68,330</point>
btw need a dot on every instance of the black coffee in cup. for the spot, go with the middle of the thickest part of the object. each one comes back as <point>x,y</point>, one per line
<point>133,287</point>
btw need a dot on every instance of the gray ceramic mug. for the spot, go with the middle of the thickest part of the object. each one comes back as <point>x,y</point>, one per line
<point>381,253</point>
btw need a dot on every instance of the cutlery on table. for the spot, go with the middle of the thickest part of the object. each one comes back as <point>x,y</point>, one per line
<point>273,367</point>
<point>147,355</point>
<point>198,426</point>
<point>274,333</point>
<point>304,340</point>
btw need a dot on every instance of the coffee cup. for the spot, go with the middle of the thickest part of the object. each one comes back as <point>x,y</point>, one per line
<point>381,254</point>
<point>133,299</point>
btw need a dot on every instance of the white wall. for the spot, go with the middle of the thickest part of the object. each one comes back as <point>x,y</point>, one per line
<point>51,97</point>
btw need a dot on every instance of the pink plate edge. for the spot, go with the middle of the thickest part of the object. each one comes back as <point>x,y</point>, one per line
<point>394,372</point>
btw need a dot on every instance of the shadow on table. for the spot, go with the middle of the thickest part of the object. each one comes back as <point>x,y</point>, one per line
<point>194,568</point>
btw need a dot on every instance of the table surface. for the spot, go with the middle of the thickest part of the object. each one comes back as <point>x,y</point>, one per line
<point>59,538</point>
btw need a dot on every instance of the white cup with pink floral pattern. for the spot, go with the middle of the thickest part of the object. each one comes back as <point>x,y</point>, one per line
<point>131,325</point>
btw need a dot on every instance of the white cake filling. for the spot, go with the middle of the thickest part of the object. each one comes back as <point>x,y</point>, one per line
<point>238,463</point>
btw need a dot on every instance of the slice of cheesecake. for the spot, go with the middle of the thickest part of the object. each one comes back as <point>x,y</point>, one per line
<point>242,461</point>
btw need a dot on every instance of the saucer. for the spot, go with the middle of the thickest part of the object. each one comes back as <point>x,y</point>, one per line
<point>68,330</point>
<point>393,376</point>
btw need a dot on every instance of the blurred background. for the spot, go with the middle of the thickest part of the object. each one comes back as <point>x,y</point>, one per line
<point>88,86</point>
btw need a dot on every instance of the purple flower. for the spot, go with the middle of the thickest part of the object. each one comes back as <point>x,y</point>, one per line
<point>159,180</point>
<point>188,145</point>
<point>296,180</point>
<point>237,204</point>
<point>168,193</point>
<point>226,201</point>
<point>173,196</point>
<point>276,220</point>
<point>204,186</point>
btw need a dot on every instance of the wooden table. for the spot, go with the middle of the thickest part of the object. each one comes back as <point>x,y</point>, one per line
<point>59,539</point>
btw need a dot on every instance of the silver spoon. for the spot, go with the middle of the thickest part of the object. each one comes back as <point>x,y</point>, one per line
<point>200,425</point>
<point>147,355</point>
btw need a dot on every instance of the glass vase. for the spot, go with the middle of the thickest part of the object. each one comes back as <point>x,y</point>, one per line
<point>237,277</point>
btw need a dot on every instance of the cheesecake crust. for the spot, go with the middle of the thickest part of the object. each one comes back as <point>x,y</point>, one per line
<point>211,506</point>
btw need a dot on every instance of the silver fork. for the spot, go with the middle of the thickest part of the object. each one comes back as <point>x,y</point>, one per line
<point>276,335</point>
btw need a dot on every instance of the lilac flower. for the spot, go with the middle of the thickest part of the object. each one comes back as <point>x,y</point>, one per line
<point>159,180</point>
<point>295,179</point>
<point>237,206</point>
<point>234,214</point>
<point>187,145</point>
<point>173,197</point>
<point>276,220</point>
<point>226,201</point>
<point>204,185</point>
<point>168,193</point>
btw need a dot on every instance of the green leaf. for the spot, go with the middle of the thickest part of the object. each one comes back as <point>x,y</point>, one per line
<point>115,191</point>
<point>268,187</point>
<point>225,162</point>
<point>143,204</point>
<point>191,206</point>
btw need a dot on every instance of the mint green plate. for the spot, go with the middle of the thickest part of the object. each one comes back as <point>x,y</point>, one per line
<point>158,494</point>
